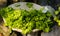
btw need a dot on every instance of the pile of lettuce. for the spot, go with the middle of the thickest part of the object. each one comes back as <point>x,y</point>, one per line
<point>27,20</point>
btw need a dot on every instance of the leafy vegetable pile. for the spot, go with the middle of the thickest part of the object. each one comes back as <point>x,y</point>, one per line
<point>57,17</point>
<point>27,20</point>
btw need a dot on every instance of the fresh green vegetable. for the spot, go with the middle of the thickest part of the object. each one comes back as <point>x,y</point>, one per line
<point>56,12</point>
<point>59,8</point>
<point>27,20</point>
<point>57,17</point>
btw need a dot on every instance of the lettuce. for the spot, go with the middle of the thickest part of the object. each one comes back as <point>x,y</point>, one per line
<point>27,20</point>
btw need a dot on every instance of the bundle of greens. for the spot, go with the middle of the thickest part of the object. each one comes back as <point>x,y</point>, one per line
<point>57,17</point>
<point>26,20</point>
